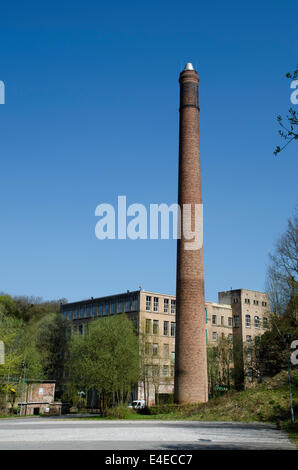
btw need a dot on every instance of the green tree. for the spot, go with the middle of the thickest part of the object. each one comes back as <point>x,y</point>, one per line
<point>52,343</point>
<point>213,370</point>
<point>22,359</point>
<point>106,359</point>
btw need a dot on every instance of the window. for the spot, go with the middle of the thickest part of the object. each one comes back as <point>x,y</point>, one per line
<point>236,320</point>
<point>155,304</point>
<point>75,313</point>
<point>155,327</point>
<point>113,307</point>
<point>135,303</point>
<point>265,322</point>
<point>230,321</point>
<point>40,392</point>
<point>147,349</point>
<point>100,310</point>
<point>88,311</point>
<point>107,308</point>
<point>173,328</point>
<point>173,356</point>
<point>213,319</point>
<point>81,330</point>
<point>247,321</point>
<point>230,336</point>
<point>214,336</point>
<point>120,305</point>
<point>257,322</point>
<point>155,370</point>
<point>173,307</point>
<point>166,328</point>
<point>148,302</point>
<point>235,300</point>
<point>247,301</point>
<point>65,314</point>
<point>127,304</point>
<point>165,371</point>
<point>248,339</point>
<point>148,326</point>
<point>206,316</point>
<point>165,350</point>
<point>248,356</point>
<point>222,321</point>
<point>172,371</point>
<point>70,315</point>
<point>94,309</point>
<point>166,305</point>
<point>222,335</point>
<point>264,304</point>
<point>256,302</point>
<point>82,311</point>
<point>231,355</point>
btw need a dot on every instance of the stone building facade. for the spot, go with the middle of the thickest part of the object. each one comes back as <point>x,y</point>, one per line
<point>154,316</point>
<point>38,399</point>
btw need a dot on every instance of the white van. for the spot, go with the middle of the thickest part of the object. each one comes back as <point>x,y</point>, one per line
<point>137,404</point>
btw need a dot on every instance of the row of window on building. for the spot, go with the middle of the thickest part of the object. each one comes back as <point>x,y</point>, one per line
<point>167,305</point>
<point>257,321</point>
<point>152,349</point>
<point>255,302</point>
<point>99,309</point>
<point>230,337</point>
<point>152,327</point>
<point>215,336</point>
<point>156,371</point>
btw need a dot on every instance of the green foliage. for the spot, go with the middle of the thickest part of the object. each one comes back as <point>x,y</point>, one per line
<point>117,412</point>
<point>28,309</point>
<point>219,365</point>
<point>52,344</point>
<point>106,359</point>
<point>21,357</point>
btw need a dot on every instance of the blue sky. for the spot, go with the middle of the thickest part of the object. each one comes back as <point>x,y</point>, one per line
<point>91,113</point>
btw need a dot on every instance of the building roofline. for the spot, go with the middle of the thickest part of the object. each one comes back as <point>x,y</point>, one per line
<point>242,289</point>
<point>157,293</point>
<point>97,299</point>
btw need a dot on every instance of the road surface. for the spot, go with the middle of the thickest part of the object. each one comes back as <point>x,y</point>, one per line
<point>75,434</point>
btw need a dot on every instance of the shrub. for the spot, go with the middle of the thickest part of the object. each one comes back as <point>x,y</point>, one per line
<point>117,412</point>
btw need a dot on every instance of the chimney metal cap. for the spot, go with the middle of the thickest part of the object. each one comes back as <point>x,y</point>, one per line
<point>189,66</point>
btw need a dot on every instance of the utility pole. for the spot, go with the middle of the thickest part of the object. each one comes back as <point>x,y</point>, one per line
<point>287,337</point>
<point>23,387</point>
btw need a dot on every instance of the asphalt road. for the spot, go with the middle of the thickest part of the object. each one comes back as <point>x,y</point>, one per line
<point>74,434</point>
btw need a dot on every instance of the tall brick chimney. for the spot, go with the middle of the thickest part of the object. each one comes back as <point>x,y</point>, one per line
<point>191,382</point>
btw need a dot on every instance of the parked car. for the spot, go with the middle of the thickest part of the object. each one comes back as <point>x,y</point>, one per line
<point>137,404</point>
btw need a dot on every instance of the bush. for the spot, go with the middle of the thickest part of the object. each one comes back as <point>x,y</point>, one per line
<point>118,412</point>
